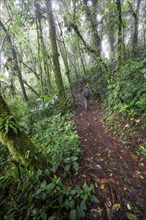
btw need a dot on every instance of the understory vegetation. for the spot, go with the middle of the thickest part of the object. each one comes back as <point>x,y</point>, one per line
<point>35,194</point>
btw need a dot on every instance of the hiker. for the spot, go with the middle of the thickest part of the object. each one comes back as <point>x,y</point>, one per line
<point>86,94</point>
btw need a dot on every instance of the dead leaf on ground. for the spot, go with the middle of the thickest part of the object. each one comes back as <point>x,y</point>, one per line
<point>137,174</point>
<point>104,181</point>
<point>98,167</point>
<point>116,207</point>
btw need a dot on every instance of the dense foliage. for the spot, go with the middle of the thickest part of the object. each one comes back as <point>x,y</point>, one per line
<point>49,51</point>
<point>37,194</point>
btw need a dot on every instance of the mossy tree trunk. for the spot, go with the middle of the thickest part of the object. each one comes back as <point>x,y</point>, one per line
<point>91,16</point>
<point>14,60</point>
<point>42,53</point>
<point>55,54</point>
<point>64,54</point>
<point>135,14</point>
<point>119,50</point>
<point>19,144</point>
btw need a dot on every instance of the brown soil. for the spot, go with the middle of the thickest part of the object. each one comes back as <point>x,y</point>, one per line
<point>118,173</point>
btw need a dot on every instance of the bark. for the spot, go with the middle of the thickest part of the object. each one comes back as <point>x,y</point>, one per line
<point>46,81</point>
<point>67,69</point>
<point>119,51</point>
<point>87,47</point>
<point>63,51</point>
<point>91,16</point>
<point>136,23</point>
<point>33,90</point>
<point>111,40</point>
<point>55,55</point>
<point>20,146</point>
<point>82,60</point>
<point>16,67</point>
<point>39,57</point>
<point>28,67</point>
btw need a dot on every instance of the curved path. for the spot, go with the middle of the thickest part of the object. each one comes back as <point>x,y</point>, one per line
<point>119,174</point>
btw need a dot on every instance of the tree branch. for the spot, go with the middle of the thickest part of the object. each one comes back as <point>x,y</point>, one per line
<point>75,28</point>
<point>30,88</point>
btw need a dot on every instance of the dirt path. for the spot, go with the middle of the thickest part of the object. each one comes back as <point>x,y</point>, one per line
<point>120,176</point>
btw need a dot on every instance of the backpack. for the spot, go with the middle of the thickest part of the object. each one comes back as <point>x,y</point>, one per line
<point>86,93</point>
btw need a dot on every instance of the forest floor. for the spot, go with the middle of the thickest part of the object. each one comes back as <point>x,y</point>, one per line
<point>118,173</point>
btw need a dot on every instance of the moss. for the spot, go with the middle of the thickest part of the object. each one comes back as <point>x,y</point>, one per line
<point>19,144</point>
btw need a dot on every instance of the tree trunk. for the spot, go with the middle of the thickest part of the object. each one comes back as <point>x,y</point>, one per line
<point>43,53</point>
<point>136,23</point>
<point>119,51</point>
<point>111,40</point>
<point>81,58</point>
<point>20,146</point>
<point>55,55</point>
<point>91,16</point>
<point>63,51</point>
<point>32,89</point>
<point>16,67</point>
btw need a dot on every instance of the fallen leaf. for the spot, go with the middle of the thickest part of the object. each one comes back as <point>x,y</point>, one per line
<point>137,120</point>
<point>141,164</point>
<point>83,176</point>
<point>102,187</point>
<point>98,166</point>
<point>116,207</point>
<point>110,174</point>
<point>104,181</point>
<point>108,203</point>
<point>94,212</point>
<point>129,206</point>
<point>137,174</point>
<point>131,216</point>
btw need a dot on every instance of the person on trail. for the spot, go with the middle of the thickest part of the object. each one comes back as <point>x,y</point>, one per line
<point>86,94</point>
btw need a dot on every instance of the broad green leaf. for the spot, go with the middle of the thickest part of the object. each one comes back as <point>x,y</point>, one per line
<point>116,207</point>
<point>83,205</point>
<point>131,216</point>
<point>72,215</point>
<point>67,167</point>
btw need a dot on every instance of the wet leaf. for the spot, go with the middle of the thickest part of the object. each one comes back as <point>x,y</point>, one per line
<point>104,181</point>
<point>94,212</point>
<point>129,206</point>
<point>137,120</point>
<point>72,215</point>
<point>98,166</point>
<point>131,216</point>
<point>116,207</point>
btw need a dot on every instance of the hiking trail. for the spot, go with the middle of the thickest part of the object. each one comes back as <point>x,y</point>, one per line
<point>118,173</point>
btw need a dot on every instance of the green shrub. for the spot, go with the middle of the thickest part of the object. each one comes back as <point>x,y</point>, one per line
<point>45,194</point>
<point>129,95</point>
<point>58,139</point>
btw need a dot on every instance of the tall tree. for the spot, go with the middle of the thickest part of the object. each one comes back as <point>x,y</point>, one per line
<point>119,51</point>
<point>135,14</point>
<point>14,60</point>
<point>55,54</point>
<point>42,53</point>
<point>91,15</point>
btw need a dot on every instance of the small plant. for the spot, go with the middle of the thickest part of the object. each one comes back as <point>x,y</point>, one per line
<point>9,124</point>
<point>59,141</point>
<point>142,149</point>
